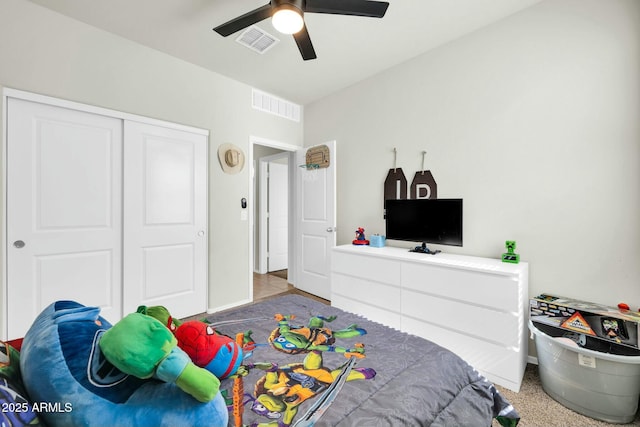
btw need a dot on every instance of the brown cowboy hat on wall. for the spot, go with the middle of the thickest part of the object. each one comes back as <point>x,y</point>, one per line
<point>231,158</point>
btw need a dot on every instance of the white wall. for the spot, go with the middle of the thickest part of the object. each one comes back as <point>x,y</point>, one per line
<point>533,121</point>
<point>44,52</point>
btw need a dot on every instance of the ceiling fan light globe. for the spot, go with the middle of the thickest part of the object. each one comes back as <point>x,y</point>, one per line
<point>287,20</point>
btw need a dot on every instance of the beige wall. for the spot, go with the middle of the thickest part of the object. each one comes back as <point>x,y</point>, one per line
<point>533,121</point>
<point>47,53</point>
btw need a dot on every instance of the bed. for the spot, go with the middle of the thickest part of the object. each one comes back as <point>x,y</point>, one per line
<point>403,380</point>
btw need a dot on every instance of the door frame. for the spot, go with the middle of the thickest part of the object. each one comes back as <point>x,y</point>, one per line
<point>63,103</point>
<point>291,151</point>
<point>263,207</point>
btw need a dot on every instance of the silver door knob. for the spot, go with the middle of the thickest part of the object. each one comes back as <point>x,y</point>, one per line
<point>19,244</point>
<point>331,229</point>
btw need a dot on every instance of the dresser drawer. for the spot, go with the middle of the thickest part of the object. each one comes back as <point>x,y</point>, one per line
<point>366,291</point>
<point>367,267</point>
<point>499,327</point>
<point>490,289</point>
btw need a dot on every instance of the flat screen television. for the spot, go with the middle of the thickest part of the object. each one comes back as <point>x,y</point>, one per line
<point>436,221</point>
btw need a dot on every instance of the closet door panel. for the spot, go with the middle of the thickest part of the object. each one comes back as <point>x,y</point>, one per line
<point>64,205</point>
<point>168,181</point>
<point>165,219</point>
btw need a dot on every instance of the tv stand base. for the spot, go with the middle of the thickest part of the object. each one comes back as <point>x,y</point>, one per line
<point>423,249</point>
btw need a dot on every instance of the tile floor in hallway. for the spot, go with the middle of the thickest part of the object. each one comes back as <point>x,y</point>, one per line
<point>268,286</point>
<point>272,284</point>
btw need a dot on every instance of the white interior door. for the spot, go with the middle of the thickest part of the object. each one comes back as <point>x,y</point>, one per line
<point>278,216</point>
<point>165,219</point>
<point>63,211</point>
<point>316,225</point>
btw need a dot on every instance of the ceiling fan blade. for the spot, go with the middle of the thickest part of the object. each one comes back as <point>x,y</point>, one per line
<point>372,9</point>
<point>304,44</point>
<point>244,21</point>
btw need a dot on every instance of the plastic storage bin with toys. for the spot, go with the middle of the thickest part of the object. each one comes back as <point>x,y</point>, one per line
<point>588,356</point>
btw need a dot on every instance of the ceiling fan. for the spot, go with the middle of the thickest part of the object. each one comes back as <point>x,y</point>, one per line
<point>287,17</point>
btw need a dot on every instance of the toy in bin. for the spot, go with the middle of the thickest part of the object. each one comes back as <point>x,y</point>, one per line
<point>360,238</point>
<point>604,326</point>
<point>614,329</point>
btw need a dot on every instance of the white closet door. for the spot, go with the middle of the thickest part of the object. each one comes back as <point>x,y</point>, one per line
<point>64,207</point>
<point>165,219</point>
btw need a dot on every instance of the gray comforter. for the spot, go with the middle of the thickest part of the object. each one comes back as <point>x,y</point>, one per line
<point>417,382</point>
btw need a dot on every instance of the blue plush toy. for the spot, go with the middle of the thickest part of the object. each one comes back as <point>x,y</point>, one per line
<point>66,372</point>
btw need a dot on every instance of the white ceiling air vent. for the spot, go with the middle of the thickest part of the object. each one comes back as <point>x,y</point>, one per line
<point>256,39</point>
<point>272,104</point>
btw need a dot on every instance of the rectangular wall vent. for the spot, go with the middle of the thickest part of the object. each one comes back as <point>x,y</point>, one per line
<point>257,39</point>
<point>272,104</point>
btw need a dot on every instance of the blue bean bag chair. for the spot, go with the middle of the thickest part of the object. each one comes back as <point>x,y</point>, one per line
<point>68,376</point>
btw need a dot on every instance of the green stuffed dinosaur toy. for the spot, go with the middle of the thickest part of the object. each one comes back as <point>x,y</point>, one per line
<point>142,346</point>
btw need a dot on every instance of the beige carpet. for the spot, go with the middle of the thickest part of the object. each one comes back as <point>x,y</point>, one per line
<point>537,409</point>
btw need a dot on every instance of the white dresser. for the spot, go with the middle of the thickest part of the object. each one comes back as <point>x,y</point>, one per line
<point>475,307</point>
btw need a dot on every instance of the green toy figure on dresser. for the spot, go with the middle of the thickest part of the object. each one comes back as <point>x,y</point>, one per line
<point>511,256</point>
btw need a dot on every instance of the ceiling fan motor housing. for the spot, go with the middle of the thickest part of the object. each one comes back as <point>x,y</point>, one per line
<point>287,16</point>
<point>295,5</point>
